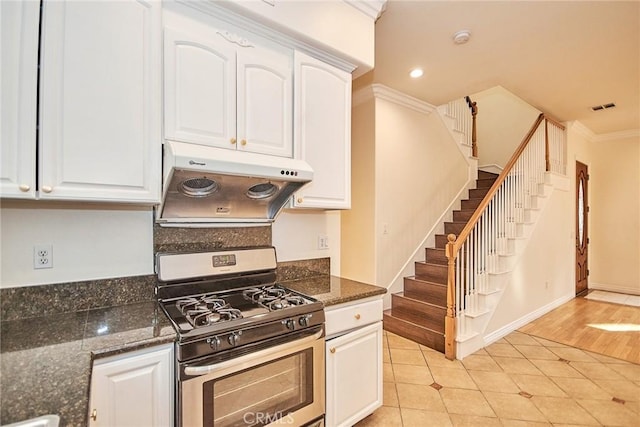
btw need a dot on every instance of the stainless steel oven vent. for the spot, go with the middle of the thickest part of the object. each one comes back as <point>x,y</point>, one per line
<point>198,187</point>
<point>262,191</point>
<point>206,186</point>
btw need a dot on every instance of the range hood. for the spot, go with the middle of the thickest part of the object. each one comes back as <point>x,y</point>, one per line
<point>207,187</point>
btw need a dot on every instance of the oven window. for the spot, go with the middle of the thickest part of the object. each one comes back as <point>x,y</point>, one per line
<point>261,394</point>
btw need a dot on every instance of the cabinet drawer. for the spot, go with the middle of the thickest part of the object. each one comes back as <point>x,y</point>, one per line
<point>352,316</point>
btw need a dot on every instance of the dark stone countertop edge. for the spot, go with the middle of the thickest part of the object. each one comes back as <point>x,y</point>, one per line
<point>334,290</point>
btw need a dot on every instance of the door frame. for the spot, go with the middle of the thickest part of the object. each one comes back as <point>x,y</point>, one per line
<point>581,266</point>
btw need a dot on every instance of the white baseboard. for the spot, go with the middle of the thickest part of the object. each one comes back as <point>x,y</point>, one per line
<point>615,288</point>
<point>528,318</point>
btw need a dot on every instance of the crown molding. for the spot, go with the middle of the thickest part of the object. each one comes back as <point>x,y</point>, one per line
<point>590,136</point>
<point>379,91</point>
<point>258,25</point>
<point>582,130</point>
<point>371,8</point>
<point>624,134</point>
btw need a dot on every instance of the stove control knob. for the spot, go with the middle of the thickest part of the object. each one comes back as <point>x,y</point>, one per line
<point>304,320</point>
<point>234,337</point>
<point>290,324</point>
<point>214,342</point>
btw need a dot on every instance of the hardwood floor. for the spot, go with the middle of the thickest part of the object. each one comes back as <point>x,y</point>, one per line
<point>600,327</point>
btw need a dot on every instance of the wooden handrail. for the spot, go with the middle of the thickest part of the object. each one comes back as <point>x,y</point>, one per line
<point>554,122</point>
<point>454,245</point>
<point>462,237</point>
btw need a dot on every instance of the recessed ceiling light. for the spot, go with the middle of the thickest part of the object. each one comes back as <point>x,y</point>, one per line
<point>416,72</point>
<point>461,37</point>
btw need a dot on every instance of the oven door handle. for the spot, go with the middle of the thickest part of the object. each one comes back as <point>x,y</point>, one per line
<point>204,370</point>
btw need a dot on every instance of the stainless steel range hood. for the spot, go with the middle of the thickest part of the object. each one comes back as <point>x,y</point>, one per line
<point>207,187</point>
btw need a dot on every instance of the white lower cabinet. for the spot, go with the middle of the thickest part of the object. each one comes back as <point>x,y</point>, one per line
<point>133,389</point>
<point>354,365</point>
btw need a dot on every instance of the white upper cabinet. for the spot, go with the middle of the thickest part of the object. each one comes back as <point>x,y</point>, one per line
<point>199,88</point>
<point>265,98</point>
<point>322,132</point>
<point>100,101</point>
<point>18,94</point>
<point>223,90</point>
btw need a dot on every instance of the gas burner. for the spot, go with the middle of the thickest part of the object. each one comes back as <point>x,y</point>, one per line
<point>264,295</point>
<point>273,297</point>
<point>284,302</point>
<point>204,316</point>
<point>207,302</point>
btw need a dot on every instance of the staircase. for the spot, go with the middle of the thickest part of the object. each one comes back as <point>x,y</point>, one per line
<point>418,312</point>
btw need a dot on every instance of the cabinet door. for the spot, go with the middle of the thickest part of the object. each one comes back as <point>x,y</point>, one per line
<point>100,100</point>
<point>265,98</point>
<point>199,88</point>
<point>354,375</point>
<point>18,91</point>
<point>323,132</point>
<point>133,389</point>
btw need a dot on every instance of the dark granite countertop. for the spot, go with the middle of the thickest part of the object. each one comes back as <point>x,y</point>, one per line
<point>45,362</point>
<point>332,290</point>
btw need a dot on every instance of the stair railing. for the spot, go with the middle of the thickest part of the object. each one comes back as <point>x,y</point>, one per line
<point>475,252</point>
<point>465,111</point>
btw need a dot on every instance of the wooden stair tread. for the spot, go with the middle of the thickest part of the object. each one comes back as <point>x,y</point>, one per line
<point>412,331</point>
<point>417,279</point>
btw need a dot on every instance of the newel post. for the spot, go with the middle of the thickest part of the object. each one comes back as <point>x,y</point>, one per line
<point>547,162</point>
<point>450,319</point>
<point>474,113</point>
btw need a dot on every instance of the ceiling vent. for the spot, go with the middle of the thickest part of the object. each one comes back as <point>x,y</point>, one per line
<point>603,107</point>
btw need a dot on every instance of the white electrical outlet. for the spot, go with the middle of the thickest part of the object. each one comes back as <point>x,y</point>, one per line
<point>43,256</point>
<point>323,241</point>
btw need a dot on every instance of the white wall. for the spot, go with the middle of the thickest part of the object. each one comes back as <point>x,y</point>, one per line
<point>295,236</point>
<point>100,241</point>
<point>544,274</point>
<point>503,120</point>
<point>89,241</point>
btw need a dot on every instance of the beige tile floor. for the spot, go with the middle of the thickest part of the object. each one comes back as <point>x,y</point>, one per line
<point>518,381</point>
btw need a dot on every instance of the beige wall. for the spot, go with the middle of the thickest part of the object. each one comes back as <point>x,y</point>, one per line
<point>406,171</point>
<point>503,120</point>
<point>358,248</point>
<point>614,190</point>
<point>419,171</point>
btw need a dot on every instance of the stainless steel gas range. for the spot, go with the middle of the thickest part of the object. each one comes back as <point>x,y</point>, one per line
<point>250,352</point>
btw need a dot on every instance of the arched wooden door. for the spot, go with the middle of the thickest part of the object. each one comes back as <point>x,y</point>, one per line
<point>582,235</point>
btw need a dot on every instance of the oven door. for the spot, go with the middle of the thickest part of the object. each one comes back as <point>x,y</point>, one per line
<point>279,385</point>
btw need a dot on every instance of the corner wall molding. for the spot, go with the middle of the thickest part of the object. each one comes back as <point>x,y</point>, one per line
<point>371,8</point>
<point>615,288</point>
<point>379,91</point>
<point>633,133</point>
<point>582,130</point>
